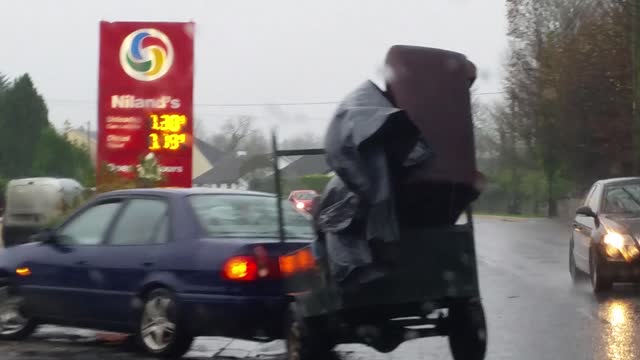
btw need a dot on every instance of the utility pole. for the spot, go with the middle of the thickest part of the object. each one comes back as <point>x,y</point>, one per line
<point>89,140</point>
<point>635,43</point>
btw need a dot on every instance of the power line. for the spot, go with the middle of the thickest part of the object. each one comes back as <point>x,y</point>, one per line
<point>94,102</point>
<point>308,103</point>
<point>268,104</point>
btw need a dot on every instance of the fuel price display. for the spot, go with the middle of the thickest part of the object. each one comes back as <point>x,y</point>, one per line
<point>167,131</point>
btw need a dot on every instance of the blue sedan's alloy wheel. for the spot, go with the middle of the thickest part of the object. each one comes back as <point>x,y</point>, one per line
<point>14,323</point>
<point>162,332</point>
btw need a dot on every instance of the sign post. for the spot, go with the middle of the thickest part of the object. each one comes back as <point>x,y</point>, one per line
<point>145,101</point>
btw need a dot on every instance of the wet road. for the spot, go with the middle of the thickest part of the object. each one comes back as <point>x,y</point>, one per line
<point>533,311</point>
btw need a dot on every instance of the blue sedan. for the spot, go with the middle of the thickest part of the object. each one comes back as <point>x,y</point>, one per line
<point>165,265</point>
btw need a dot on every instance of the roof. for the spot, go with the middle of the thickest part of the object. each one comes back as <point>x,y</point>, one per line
<point>617,180</point>
<point>307,165</point>
<point>303,191</point>
<point>210,152</point>
<point>229,168</point>
<point>185,191</point>
<point>44,179</point>
<point>224,171</point>
<point>93,135</point>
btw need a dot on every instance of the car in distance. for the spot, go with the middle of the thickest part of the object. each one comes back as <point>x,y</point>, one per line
<point>32,203</point>
<point>302,199</point>
<point>606,229</point>
<point>164,265</point>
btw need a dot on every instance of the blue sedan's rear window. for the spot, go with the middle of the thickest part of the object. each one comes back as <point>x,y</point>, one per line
<point>248,216</point>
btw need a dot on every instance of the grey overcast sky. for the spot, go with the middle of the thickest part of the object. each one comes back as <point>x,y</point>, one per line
<point>248,52</point>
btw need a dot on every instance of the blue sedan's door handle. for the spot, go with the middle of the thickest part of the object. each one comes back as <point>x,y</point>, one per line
<point>147,264</point>
<point>82,262</point>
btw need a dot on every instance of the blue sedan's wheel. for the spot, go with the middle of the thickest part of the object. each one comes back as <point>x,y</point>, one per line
<point>162,332</point>
<point>15,324</point>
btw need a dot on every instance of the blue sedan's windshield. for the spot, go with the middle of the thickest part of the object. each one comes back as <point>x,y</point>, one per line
<point>248,216</point>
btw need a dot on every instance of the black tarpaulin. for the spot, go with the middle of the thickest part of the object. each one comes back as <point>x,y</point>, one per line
<point>404,157</point>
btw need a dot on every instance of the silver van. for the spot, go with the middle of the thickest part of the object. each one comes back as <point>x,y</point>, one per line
<point>33,203</point>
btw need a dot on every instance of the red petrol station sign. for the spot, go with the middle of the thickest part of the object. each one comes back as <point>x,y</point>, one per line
<point>145,100</point>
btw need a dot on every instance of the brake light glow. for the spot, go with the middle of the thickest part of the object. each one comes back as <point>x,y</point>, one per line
<point>240,268</point>
<point>299,261</point>
<point>287,264</point>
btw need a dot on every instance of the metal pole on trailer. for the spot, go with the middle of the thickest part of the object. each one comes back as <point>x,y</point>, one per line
<point>635,46</point>
<point>278,186</point>
<point>276,176</point>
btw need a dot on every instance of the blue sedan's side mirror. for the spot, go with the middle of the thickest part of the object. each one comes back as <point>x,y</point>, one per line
<point>46,236</point>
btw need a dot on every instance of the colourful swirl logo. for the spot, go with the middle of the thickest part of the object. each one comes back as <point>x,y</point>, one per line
<point>146,54</point>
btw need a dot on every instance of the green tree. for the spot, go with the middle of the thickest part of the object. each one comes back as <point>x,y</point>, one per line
<point>4,83</point>
<point>29,145</point>
<point>569,74</point>
<point>23,116</point>
<point>55,156</point>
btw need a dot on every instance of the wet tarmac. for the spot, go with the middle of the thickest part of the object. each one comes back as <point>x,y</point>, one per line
<point>534,312</point>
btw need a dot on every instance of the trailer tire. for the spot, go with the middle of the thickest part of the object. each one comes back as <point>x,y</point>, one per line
<point>467,331</point>
<point>307,339</point>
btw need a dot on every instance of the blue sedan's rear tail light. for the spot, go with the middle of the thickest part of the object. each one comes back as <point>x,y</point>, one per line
<point>240,268</point>
<point>251,267</point>
<point>297,262</point>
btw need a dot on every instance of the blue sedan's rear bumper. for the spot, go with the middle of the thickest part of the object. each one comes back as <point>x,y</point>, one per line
<point>235,316</point>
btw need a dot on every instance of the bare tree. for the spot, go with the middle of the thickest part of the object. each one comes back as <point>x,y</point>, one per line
<point>199,129</point>
<point>239,134</point>
<point>569,71</point>
<point>232,133</point>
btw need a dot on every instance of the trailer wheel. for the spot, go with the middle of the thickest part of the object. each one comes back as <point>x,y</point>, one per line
<point>307,339</point>
<point>467,331</point>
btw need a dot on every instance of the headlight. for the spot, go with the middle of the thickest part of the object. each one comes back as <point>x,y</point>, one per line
<point>616,240</point>
<point>617,244</point>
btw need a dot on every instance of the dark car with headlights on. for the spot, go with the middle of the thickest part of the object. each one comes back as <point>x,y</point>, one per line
<point>606,229</point>
<point>165,265</point>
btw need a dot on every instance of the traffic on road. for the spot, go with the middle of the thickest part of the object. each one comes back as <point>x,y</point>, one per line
<point>279,180</point>
<point>166,265</point>
<point>522,265</point>
<point>604,243</point>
